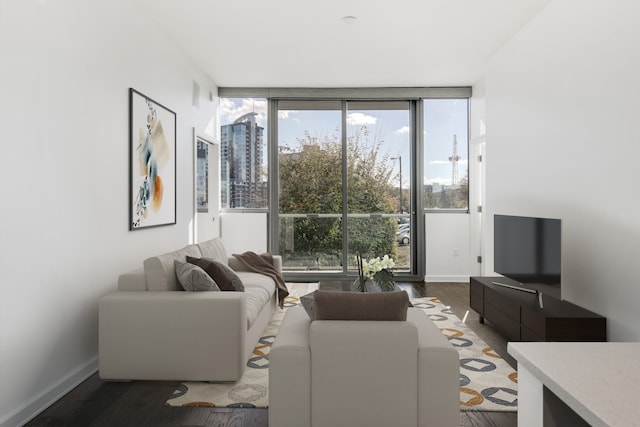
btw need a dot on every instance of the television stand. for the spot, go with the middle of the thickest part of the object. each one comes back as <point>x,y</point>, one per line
<point>517,313</point>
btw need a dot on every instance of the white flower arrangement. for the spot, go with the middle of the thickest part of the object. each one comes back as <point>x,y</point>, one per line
<point>378,269</point>
<point>375,265</point>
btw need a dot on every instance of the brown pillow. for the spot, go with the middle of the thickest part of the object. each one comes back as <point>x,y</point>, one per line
<point>223,275</point>
<point>329,305</point>
<point>193,278</point>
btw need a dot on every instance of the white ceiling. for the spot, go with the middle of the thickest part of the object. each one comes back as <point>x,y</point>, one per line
<point>303,43</point>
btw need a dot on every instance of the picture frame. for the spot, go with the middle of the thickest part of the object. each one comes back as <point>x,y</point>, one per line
<point>152,163</point>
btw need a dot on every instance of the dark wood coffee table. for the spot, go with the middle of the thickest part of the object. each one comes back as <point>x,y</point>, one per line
<point>336,284</point>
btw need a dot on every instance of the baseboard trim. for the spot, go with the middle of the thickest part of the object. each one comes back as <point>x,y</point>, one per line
<point>446,279</point>
<point>35,406</point>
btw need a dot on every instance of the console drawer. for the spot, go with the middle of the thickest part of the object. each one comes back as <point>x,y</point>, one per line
<point>509,326</point>
<point>534,321</point>
<point>528,335</point>
<point>505,304</point>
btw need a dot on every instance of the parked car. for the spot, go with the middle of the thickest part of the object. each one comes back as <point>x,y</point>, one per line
<point>403,237</point>
<point>404,228</point>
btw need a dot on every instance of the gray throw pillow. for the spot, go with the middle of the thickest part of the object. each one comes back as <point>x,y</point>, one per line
<point>193,278</point>
<point>308,304</point>
<point>222,274</point>
<point>329,305</point>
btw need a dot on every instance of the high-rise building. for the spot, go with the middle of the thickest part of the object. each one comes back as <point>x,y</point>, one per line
<point>241,164</point>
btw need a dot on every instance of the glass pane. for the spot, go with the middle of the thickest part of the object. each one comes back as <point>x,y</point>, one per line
<point>375,237</point>
<point>446,158</point>
<point>243,155</point>
<point>310,187</point>
<point>310,243</point>
<point>378,181</point>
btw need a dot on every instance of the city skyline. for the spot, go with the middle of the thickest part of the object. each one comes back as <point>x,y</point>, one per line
<point>443,120</point>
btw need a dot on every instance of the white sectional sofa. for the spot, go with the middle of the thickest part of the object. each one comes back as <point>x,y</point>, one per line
<point>152,330</point>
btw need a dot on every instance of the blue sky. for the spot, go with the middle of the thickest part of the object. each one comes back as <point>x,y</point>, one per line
<point>443,119</point>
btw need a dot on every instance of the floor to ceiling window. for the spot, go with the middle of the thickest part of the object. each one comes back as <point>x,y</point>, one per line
<point>243,153</point>
<point>378,198</point>
<point>341,186</point>
<point>310,185</point>
<point>446,158</point>
<point>345,175</point>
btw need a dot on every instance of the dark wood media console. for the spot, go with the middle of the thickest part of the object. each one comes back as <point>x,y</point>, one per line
<point>519,317</point>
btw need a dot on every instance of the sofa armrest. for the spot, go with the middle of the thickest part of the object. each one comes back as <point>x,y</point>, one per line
<point>236,265</point>
<point>133,281</point>
<point>198,336</point>
<point>290,372</point>
<point>438,373</point>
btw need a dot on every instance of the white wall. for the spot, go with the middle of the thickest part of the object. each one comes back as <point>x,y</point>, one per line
<point>244,231</point>
<point>447,247</point>
<point>562,141</point>
<point>66,69</point>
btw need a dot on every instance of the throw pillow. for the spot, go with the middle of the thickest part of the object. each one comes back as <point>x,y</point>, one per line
<point>193,278</point>
<point>308,304</point>
<point>329,305</point>
<point>223,275</point>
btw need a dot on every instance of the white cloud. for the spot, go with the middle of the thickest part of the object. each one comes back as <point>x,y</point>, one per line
<point>288,115</point>
<point>229,111</point>
<point>359,119</point>
<point>403,130</point>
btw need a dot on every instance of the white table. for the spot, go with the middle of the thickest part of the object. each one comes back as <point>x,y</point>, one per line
<point>598,381</point>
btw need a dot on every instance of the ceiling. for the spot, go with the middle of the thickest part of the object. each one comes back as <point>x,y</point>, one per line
<point>303,43</point>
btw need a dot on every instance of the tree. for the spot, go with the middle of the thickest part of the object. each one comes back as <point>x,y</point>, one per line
<point>311,183</point>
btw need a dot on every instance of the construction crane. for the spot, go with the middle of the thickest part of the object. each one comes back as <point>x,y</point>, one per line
<point>454,162</point>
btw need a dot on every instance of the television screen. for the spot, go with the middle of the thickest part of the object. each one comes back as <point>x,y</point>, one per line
<point>527,249</point>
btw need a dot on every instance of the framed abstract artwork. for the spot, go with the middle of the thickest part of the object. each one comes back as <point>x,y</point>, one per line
<point>152,163</point>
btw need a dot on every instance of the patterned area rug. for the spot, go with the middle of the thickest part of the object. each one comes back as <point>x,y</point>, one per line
<point>487,382</point>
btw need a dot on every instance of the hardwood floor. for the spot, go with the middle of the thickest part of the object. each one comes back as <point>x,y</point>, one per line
<point>96,403</point>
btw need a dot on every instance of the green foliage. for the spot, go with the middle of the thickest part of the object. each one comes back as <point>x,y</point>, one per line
<point>311,183</point>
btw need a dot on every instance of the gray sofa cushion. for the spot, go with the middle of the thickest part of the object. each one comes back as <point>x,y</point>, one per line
<point>214,249</point>
<point>193,278</point>
<point>160,270</point>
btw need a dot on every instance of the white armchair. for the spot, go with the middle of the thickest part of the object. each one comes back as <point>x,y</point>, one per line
<point>362,373</point>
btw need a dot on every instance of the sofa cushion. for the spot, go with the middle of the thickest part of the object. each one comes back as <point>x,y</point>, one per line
<point>329,305</point>
<point>193,278</point>
<point>257,298</point>
<point>160,270</point>
<point>257,280</point>
<point>214,249</point>
<point>225,278</point>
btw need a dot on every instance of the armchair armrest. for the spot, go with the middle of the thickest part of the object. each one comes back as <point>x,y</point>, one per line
<point>438,369</point>
<point>290,372</point>
<point>199,336</point>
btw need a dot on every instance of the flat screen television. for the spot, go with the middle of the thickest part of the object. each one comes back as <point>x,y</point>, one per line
<point>527,249</point>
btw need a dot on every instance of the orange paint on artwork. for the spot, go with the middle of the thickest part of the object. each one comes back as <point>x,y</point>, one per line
<point>158,191</point>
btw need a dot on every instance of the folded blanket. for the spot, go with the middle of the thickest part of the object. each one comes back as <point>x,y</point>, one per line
<point>263,264</point>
